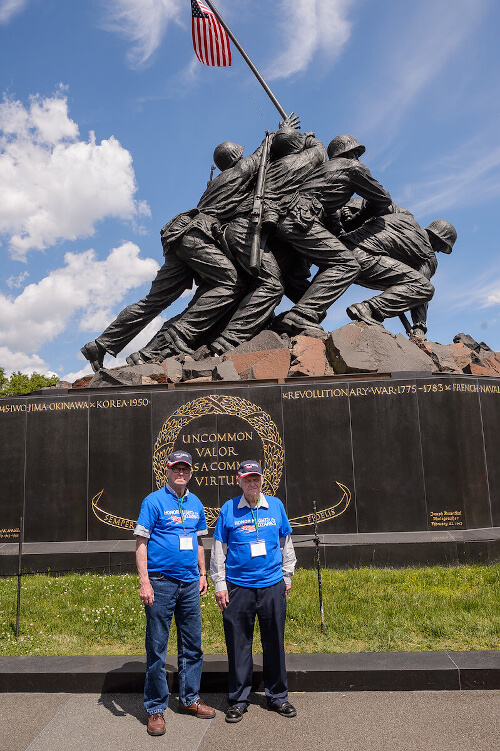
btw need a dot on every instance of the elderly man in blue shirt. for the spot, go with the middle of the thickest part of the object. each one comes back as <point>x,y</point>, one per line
<point>172,576</point>
<point>251,566</point>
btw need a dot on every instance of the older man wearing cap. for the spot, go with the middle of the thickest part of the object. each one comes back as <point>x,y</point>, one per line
<point>251,566</point>
<point>172,576</point>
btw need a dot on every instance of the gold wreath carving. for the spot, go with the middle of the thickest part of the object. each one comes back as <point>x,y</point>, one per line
<point>222,405</point>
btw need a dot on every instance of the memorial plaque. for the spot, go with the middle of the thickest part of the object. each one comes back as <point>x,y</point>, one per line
<point>56,470</point>
<point>376,455</point>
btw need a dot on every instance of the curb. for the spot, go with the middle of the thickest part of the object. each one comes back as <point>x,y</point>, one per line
<point>363,671</point>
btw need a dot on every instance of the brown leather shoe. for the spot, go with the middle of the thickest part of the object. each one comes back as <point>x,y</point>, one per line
<point>198,709</point>
<point>156,724</point>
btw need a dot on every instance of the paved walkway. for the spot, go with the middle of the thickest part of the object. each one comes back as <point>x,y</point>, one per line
<point>364,721</point>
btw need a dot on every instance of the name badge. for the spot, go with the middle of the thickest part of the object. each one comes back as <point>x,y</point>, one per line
<point>258,548</point>
<point>185,542</point>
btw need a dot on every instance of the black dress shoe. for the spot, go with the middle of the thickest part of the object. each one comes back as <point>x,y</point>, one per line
<point>235,714</point>
<point>285,709</point>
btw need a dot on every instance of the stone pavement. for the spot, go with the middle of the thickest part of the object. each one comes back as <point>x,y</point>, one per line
<point>351,721</point>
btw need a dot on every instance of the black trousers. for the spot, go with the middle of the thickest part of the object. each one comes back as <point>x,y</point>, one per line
<point>269,605</point>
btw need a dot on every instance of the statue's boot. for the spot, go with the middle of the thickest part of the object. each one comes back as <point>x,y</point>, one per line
<point>135,359</point>
<point>361,311</point>
<point>418,332</point>
<point>221,346</point>
<point>94,353</point>
<point>293,324</point>
<point>179,344</point>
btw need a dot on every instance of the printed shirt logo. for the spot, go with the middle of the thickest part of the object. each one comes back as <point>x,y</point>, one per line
<point>247,525</point>
<point>186,513</point>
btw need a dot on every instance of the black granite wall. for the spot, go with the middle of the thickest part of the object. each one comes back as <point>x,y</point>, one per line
<point>376,455</point>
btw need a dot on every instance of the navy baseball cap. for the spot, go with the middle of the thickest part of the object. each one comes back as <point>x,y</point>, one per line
<point>249,467</point>
<point>180,457</point>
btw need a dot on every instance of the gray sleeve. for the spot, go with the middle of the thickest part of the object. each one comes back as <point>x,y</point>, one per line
<point>141,531</point>
<point>365,185</point>
<point>288,558</point>
<point>202,532</point>
<point>218,565</point>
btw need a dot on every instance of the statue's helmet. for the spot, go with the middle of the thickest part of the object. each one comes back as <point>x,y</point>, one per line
<point>226,154</point>
<point>445,232</point>
<point>287,141</point>
<point>342,144</point>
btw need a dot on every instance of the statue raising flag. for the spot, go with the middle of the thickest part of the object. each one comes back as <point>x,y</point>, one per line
<point>210,40</point>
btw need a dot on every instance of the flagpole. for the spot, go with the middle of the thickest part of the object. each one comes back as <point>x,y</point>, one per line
<point>246,59</point>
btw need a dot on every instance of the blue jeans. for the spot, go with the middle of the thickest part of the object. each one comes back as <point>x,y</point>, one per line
<point>182,599</point>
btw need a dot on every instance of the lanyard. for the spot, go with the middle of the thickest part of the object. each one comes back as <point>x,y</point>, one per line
<point>179,503</point>
<point>256,518</point>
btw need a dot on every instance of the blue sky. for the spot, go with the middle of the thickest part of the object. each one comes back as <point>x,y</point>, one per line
<point>108,123</point>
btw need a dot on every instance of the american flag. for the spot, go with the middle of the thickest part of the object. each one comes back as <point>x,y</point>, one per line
<point>210,40</point>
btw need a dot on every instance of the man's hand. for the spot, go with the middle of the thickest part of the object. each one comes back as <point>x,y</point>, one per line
<point>203,585</point>
<point>288,587</point>
<point>146,593</point>
<point>291,121</point>
<point>222,598</point>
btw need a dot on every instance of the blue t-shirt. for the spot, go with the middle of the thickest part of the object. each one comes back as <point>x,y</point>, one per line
<point>160,515</point>
<point>236,527</point>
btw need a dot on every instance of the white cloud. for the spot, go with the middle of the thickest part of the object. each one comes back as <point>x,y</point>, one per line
<point>310,26</point>
<point>76,375</point>
<point>13,361</point>
<point>53,186</point>
<point>15,282</point>
<point>10,8</point>
<point>493,298</point>
<point>143,22</point>
<point>85,288</point>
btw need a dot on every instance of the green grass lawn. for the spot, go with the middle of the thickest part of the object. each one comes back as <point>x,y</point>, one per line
<point>366,610</point>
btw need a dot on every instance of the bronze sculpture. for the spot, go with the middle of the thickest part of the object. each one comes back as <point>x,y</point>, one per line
<point>246,246</point>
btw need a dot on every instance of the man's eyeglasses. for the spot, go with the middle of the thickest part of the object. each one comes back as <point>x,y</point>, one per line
<point>178,470</point>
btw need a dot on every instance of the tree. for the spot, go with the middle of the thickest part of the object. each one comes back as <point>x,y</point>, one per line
<point>21,383</point>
